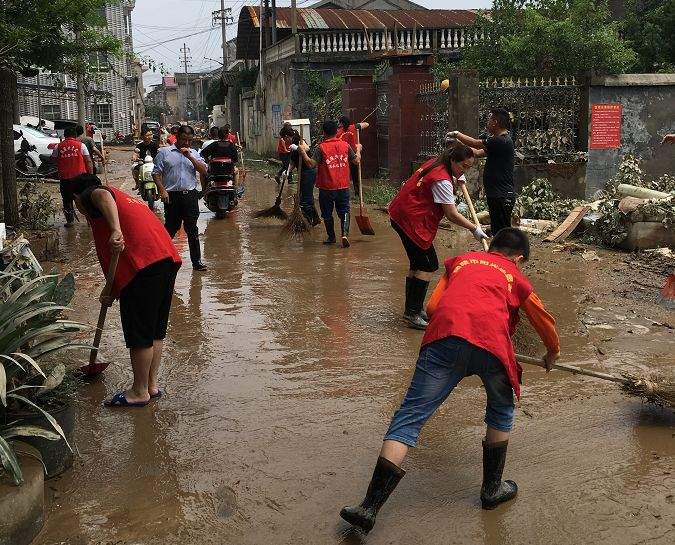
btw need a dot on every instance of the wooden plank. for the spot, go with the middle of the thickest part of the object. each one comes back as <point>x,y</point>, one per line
<point>566,227</point>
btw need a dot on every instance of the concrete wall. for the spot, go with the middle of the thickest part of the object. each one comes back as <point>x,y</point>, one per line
<point>648,102</point>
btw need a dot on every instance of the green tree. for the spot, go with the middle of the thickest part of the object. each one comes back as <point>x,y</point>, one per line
<point>55,35</point>
<point>649,27</point>
<point>525,38</point>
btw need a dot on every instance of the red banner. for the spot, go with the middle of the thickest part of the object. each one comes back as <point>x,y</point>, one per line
<point>605,126</point>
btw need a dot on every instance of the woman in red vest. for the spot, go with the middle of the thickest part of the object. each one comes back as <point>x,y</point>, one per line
<point>332,158</point>
<point>416,211</point>
<point>146,272</point>
<point>474,312</point>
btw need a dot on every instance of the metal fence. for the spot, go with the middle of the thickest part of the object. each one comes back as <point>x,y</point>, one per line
<point>546,114</point>
<point>434,122</point>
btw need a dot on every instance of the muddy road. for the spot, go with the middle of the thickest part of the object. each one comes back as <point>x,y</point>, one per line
<point>283,365</point>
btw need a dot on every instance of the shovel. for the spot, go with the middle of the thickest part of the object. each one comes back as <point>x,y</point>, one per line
<point>95,368</point>
<point>362,219</point>
<point>474,216</point>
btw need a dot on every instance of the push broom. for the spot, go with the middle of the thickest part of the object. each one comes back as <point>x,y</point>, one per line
<point>654,390</point>
<point>297,224</point>
<point>275,211</point>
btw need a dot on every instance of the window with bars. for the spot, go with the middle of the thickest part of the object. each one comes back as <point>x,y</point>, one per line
<point>51,111</point>
<point>102,115</point>
<point>98,62</point>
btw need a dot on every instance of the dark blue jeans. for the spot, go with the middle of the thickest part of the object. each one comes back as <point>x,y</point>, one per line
<point>308,177</point>
<point>285,158</point>
<point>440,367</point>
<point>329,199</point>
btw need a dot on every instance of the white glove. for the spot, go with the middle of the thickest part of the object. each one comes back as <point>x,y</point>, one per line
<point>479,234</point>
<point>293,147</point>
<point>451,134</point>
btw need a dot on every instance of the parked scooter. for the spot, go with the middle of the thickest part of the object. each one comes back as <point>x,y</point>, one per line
<point>25,164</point>
<point>146,183</point>
<point>221,196</point>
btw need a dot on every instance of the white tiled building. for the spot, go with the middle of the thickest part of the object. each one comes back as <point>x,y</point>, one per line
<point>114,97</point>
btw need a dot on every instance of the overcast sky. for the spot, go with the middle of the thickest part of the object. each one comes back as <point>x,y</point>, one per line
<point>156,21</point>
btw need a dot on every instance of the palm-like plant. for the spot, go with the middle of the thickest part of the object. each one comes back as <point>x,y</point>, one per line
<point>31,328</point>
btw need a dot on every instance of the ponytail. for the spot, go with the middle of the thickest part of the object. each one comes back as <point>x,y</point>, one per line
<point>456,154</point>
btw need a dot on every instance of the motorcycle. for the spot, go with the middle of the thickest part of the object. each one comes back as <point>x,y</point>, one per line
<point>221,195</point>
<point>146,183</point>
<point>26,167</point>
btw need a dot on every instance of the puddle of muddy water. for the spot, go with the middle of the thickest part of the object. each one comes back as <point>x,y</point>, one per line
<point>283,365</point>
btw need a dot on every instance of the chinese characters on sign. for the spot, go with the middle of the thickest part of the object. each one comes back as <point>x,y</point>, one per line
<point>605,126</point>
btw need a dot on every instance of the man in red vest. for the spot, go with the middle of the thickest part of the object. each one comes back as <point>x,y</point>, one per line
<point>474,312</point>
<point>144,280</point>
<point>332,158</point>
<point>72,160</point>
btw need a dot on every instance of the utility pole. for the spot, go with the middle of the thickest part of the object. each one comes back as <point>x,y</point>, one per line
<point>224,18</point>
<point>185,61</point>
<point>274,22</point>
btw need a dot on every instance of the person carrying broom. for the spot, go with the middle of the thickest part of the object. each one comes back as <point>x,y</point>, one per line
<point>474,312</point>
<point>332,158</point>
<point>307,181</point>
<point>347,132</point>
<point>417,210</point>
<point>144,279</point>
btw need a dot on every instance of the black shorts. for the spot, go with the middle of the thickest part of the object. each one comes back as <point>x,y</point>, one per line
<point>145,304</point>
<point>420,260</point>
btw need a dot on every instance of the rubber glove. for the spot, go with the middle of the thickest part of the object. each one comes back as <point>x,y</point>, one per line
<point>479,234</point>
<point>293,147</point>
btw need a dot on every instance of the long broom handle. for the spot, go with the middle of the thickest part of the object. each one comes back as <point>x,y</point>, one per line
<point>242,152</point>
<point>474,216</point>
<point>107,289</point>
<point>358,168</point>
<point>570,369</point>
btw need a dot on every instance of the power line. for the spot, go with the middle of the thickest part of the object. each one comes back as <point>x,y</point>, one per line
<point>176,39</point>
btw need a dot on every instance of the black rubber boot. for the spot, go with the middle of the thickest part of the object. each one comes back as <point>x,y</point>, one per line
<point>408,283</point>
<point>330,230</point>
<point>344,223</point>
<point>495,491</point>
<point>413,314</point>
<point>385,478</point>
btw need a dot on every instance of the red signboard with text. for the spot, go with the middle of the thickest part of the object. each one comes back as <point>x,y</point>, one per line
<point>605,126</point>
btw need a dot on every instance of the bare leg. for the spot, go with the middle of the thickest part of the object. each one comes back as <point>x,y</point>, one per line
<point>141,360</point>
<point>153,383</point>
<point>493,436</point>
<point>394,451</point>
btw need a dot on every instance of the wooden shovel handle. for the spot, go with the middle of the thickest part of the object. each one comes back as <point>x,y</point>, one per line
<point>474,216</point>
<point>570,369</point>
<point>107,290</point>
<point>358,169</point>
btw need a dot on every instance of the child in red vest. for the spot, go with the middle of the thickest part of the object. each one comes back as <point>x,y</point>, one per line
<point>425,198</point>
<point>72,160</point>
<point>474,312</point>
<point>284,152</point>
<point>144,280</point>
<point>332,158</point>
<point>347,132</point>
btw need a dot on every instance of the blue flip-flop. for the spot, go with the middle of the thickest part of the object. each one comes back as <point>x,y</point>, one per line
<point>157,395</point>
<point>120,400</point>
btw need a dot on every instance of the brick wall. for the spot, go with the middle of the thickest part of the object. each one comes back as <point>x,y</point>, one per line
<point>358,101</point>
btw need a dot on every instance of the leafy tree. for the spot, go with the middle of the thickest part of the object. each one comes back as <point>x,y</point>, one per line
<point>525,38</point>
<point>55,35</point>
<point>649,27</point>
<point>155,111</point>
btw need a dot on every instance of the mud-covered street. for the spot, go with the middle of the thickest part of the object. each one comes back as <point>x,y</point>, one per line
<point>283,365</point>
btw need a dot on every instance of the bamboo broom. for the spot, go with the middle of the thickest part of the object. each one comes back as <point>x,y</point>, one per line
<point>297,224</point>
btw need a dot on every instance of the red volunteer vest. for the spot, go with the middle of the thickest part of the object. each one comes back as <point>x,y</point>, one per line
<point>70,161</point>
<point>146,241</point>
<point>480,305</point>
<point>348,136</point>
<point>333,171</point>
<point>413,208</point>
<point>232,138</point>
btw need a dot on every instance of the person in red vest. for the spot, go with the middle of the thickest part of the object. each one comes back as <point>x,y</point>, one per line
<point>332,158</point>
<point>416,211</point>
<point>347,132</point>
<point>474,312</point>
<point>144,280</point>
<point>284,152</point>
<point>72,160</point>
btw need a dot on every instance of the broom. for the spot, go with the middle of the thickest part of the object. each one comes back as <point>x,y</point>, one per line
<point>654,389</point>
<point>242,176</point>
<point>297,224</point>
<point>275,211</point>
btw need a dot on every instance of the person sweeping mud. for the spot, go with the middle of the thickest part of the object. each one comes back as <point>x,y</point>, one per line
<point>307,181</point>
<point>474,311</point>
<point>144,280</point>
<point>416,211</point>
<point>332,158</point>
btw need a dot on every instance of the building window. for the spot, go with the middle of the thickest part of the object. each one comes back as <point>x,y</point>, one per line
<point>102,115</point>
<point>98,62</point>
<point>51,111</point>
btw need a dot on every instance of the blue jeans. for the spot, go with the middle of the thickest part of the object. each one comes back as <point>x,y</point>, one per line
<point>338,198</point>
<point>440,367</point>
<point>307,179</point>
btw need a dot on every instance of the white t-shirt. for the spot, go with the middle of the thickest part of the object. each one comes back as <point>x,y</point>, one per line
<point>444,192</point>
<point>83,149</point>
<point>207,143</point>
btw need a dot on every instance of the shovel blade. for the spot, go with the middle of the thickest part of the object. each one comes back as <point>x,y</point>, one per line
<point>94,369</point>
<point>364,224</point>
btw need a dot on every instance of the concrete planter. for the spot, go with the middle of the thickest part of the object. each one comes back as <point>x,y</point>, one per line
<point>648,234</point>
<point>22,507</point>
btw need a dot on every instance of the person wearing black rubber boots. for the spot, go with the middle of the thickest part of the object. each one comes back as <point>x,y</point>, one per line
<point>307,181</point>
<point>474,311</point>
<point>498,174</point>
